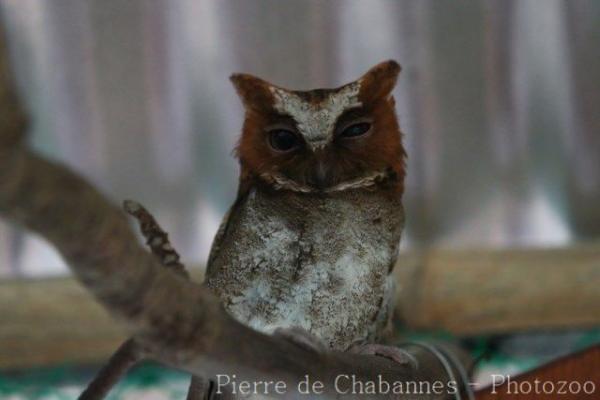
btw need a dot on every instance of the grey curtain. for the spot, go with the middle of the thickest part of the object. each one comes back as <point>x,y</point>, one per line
<point>499,101</point>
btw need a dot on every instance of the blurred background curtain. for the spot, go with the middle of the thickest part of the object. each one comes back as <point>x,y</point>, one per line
<point>499,102</point>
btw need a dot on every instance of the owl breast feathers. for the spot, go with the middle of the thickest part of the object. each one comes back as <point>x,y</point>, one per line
<point>313,235</point>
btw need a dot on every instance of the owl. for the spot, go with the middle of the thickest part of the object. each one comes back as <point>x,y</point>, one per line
<point>312,238</point>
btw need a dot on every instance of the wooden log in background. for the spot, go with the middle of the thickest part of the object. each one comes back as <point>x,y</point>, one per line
<point>53,321</point>
<point>469,292</point>
<point>472,292</point>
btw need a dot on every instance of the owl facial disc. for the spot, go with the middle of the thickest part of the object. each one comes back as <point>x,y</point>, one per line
<point>316,120</point>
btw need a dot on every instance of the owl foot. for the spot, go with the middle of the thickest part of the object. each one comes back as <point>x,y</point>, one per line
<point>301,337</point>
<point>393,353</point>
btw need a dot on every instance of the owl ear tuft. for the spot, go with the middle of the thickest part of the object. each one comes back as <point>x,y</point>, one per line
<point>378,82</point>
<point>254,92</point>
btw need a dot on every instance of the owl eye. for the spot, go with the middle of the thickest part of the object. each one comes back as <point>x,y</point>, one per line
<point>355,130</point>
<point>283,140</point>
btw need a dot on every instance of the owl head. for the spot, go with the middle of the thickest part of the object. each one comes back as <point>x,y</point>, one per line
<point>323,139</point>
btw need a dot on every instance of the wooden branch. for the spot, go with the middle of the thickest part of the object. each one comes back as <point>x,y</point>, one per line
<point>126,356</point>
<point>178,322</point>
<point>130,352</point>
<point>182,324</point>
<point>156,238</point>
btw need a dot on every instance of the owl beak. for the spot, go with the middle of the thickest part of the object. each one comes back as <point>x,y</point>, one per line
<point>320,175</point>
<point>318,143</point>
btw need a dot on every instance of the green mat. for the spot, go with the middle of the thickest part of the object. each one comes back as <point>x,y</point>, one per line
<point>148,381</point>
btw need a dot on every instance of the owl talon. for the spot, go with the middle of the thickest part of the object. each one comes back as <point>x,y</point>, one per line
<point>302,338</point>
<point>393,353</point>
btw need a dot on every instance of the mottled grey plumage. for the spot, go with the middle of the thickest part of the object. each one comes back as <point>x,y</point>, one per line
<point>313,235</point>
<point>318,261</point>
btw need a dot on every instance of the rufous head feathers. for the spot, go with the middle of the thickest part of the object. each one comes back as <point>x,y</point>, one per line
<point>322,139</point>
